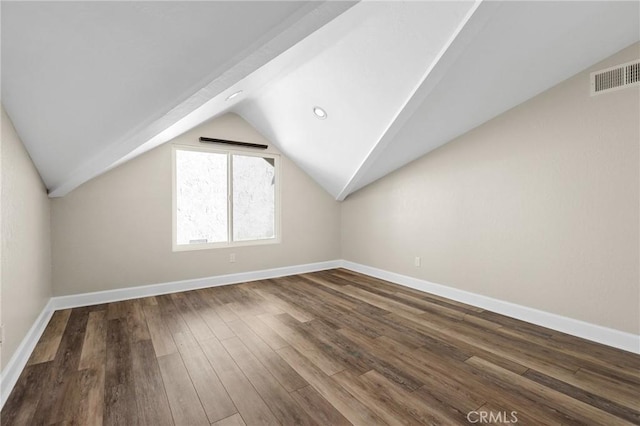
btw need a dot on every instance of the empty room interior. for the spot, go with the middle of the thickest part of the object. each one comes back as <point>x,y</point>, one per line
<point>320,213</point>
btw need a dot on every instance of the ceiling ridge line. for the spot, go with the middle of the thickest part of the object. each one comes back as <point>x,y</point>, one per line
<point>421,90</point>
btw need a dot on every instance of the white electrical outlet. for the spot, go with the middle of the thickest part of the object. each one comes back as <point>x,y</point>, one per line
<point>232,258</point>
<point>417,261</point>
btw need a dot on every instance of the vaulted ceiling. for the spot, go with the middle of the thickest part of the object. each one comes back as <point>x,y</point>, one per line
<point>90,85</point>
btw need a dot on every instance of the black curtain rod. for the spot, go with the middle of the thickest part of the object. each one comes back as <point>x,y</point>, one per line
<point>227,142</point>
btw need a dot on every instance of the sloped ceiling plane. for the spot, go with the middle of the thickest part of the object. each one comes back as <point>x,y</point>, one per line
<point>90,85</point>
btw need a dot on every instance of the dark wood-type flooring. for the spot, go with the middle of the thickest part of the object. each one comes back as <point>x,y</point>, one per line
<point>326,348</point>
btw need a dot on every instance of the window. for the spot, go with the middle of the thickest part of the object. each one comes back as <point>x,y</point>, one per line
<point>224,198</point>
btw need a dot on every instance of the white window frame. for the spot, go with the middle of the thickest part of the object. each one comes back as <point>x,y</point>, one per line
<point>230,243</point>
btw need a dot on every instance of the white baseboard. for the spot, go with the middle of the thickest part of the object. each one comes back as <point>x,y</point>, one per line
<point>596,333</point>
<point>18,361</point>
<point>88,299</point>
<point>20,357</point>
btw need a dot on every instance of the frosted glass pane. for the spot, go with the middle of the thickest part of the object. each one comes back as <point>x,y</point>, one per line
<point>201,196</point>
<point>253,198</point>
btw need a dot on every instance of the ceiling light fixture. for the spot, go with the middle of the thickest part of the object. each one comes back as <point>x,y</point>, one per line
<point>233,95</point>
<point>320,113</point>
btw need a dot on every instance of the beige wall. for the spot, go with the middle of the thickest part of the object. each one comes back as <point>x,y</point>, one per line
<point>26,241</point>
<point>115,230</point>
<point>538,207</point>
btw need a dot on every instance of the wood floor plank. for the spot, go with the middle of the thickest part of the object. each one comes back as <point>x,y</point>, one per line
<point>624,366</point>
<point>386,325</point>
<point>183,399</point>
<point>456,392</point>
<point>120,390</point>
<point>339,317</point>
<point>48,344</point>
<point>136,321</point>
<point>628,412</point>
<point>464,348</point>
<point>160,335</point>
<point>463,387</point>
<point>209,315</point>
<point>352,409</point>
<point>426,337</point>
<point>284,306</point>
<point>624,361</point>
<point>194,321</point>
<point>515,324</point>
<point>572,407</point>
<point>404,295</point>
<point>235,420</point>
<point>248,402</point>
<point>413,404</point>
<point>474,344</point>
<point>319,408</point>
<point>117,310</point>
<point>299,340</point>
<point>94,347</point>
<point>482,322</point>
<point>360,359</point>
<point>368,282</point>
<point>336,346</point>
<point>149,301</point>
<point>526,354</point>
<point>83,401</point>
<point>532,348</point>
<point>282,371</point>
<point>322,289</point>
<point>212,394</point>
<point>219,307</point>
<point>383,360</point>
<point>375,401</point>
<point>623,393</point>
<point>66,361</point>
<point>95,399</point>
<point>153,405</point>
<point>170,315</point>
<point>335,315</point>
<point>448,308</point>
<point>265,332</point>
<point>244,302</point>
<point>21,404</point>
<point>392,345</point>
<point>381,302</point>
<point>285,409</point>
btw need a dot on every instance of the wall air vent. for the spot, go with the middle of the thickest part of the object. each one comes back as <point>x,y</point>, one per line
<point>615,78</point>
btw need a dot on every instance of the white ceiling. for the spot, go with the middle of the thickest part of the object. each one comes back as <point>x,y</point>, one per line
<point>85,83</point>
<point>508,53</point>
<point>91,85</point>
<point>366,65</point>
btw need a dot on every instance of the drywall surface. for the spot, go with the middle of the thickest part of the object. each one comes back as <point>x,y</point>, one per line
<point>539,207</point>
<point>26,241</point>
<point>116,230</point>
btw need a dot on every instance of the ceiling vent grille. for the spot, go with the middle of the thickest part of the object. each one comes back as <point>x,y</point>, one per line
<point>615,78</point>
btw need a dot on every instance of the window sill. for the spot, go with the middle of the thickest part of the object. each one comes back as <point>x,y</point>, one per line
<point>211,246</point>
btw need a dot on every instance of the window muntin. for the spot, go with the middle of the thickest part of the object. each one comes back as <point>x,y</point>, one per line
<point>224,198</point>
